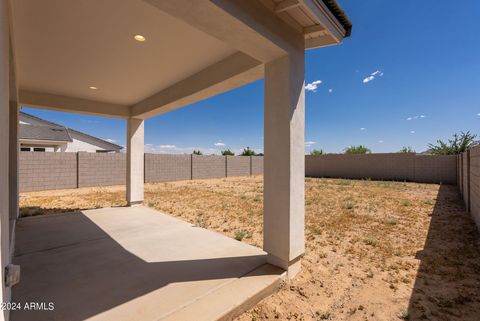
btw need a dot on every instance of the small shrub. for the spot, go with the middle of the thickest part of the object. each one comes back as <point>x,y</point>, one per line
<point>151,204</point>
<point>407,149</point>
<point>201,222</point>
<point>348,206</point>
<point>241,234</point>
<point>391,221</point>
<point>317,152</point>
<point>360,149</point>
<point>371,242</point>
<point>228,152</point>
<point>248,152</point>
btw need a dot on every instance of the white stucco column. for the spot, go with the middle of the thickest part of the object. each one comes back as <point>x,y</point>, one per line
<point>4,147</point>
<point>284,162</point>
<point>135,163</point>
<point>13,163</point>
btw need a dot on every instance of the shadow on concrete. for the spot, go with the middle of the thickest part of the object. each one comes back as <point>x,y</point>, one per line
<point>70,261</point>
<point>447,286</point>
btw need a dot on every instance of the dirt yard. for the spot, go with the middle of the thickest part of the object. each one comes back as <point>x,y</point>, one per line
<point>374,250</point>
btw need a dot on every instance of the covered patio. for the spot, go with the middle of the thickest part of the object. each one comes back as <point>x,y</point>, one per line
<point>133,60</point>
<point>135,263</point>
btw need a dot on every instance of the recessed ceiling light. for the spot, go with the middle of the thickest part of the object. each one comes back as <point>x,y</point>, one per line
<point>92,87</point>
<point>139,38</point>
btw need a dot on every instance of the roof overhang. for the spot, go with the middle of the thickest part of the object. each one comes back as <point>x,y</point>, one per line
<point>322,22</point>
<point>195,49</point>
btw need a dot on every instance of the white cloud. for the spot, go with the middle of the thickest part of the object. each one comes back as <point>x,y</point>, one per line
<point>380,141</point>
<point>167,146</point>
<point>372,76</point>
<point>330,90</point>
<point>310,143</point>
<point>313,85</point>
<point>368,79</point>
<point>412,132</point>
<point>219,144</point>
<point>478,114</point>
<point>110,140</point>
<point>416,117</point>
<point>363,128</point>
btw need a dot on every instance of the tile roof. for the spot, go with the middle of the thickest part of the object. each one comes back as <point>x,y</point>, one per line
<point>44,132</point>
<point>341,16</point>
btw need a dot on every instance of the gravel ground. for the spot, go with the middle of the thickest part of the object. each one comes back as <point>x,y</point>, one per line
<point>374,250</point>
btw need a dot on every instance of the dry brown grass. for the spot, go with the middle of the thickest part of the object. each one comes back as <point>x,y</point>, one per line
<point>374,250</point>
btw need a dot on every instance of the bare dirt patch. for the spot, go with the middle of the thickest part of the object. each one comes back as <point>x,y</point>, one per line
<point>374,250</point>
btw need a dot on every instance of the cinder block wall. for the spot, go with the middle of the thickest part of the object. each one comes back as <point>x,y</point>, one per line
<point>98,169</point>
<point>394,166</point>
<point>211,166</point>
<point>257,165</point>
<point>238,166</point>
<point>374,166</point>
<point>465,178</point>
<point>45,171</point>
<point>164,168</point>
<point>475,184</point>
<point>436,169</point>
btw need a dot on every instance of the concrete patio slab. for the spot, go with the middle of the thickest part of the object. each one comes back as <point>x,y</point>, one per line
<point>135,263</point>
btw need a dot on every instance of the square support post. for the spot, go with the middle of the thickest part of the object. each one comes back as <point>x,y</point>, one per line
<point>5,196</point>
<point>13,166</point>
<point>284,162</point>
<point>135,161</point>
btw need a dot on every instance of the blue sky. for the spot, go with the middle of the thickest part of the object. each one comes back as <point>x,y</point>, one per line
<point>408,75</point>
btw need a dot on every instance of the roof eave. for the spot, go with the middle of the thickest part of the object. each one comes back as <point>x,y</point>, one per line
<point>327,13</point>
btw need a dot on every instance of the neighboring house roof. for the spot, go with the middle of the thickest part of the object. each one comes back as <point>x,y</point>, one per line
<point>55,132</point>
<point>47,132</point>
<point>341,16</point>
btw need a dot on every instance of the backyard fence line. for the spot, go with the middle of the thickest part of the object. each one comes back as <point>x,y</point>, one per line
<point>384,166</point>
<point>468,170</point>
<point>48,171</point>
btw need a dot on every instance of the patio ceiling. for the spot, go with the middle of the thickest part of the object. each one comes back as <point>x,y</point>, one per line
<point>64,47</point>
<point>81,56</point>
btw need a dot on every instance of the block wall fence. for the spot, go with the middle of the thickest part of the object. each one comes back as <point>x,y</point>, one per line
<point>48,171</point>
<point>469,181</point>
<point>389,166</point>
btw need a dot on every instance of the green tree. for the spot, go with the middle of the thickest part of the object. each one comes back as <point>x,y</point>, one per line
<point>227,152</point>
<point>248,152</point>
<point>317,152</point>
<point>407,149</point>
<point>197,152</point>
<point>360,149</point>
<point>459,143</point>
